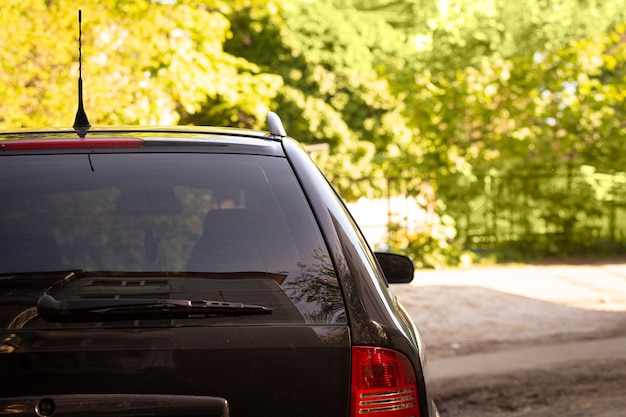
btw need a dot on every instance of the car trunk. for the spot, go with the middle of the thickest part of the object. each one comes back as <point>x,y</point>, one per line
<point>259,370</point>
<point>276,364</point>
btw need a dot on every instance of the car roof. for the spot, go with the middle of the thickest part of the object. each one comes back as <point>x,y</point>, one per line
<point>144,138</point>
<point>275,125</point>
<point>205,130</point>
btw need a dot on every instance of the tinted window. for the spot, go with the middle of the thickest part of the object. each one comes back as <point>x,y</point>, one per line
<point>233,228</point>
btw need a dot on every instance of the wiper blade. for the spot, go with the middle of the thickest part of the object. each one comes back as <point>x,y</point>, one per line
<point>52,274</point>
<point>103,309</point>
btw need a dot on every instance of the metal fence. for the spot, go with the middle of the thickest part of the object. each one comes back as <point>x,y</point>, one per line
<point>566,211</point>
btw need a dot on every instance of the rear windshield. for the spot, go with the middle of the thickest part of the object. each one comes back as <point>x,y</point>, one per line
<point>225,228</point>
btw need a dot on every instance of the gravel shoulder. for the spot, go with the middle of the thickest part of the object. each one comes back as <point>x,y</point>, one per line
<point>524,340</point>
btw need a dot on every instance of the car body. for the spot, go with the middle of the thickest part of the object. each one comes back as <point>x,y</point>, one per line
<point>193,271</point>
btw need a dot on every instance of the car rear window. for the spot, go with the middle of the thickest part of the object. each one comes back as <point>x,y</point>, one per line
<point>220,227</point>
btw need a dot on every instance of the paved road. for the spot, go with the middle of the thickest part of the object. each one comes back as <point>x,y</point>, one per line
<point>594,286</point>
<point>524,341</point>
<point>518,359</point>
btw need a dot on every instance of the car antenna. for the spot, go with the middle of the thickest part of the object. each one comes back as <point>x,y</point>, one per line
<point>81,123</point>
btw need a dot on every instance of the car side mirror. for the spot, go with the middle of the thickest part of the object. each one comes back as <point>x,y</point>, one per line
<point>398,269</point>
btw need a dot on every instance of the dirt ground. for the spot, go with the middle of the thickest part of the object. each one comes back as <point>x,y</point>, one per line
<point>524,340</point>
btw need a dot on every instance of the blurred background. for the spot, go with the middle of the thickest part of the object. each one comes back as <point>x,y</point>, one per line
<point>460,131</point>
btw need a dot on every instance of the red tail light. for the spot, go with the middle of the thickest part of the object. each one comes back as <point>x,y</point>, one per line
<point>71,143</point>
<point>383,383</point>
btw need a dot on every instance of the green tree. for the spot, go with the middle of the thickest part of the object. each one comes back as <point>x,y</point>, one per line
<point>143,62</point>
<point>453,96</point>
<point>334,64</point>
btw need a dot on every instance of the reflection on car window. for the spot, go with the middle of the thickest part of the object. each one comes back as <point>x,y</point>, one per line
<point>137,216</point>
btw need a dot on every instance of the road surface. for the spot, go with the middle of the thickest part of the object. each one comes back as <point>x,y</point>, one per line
<point>524,341</point>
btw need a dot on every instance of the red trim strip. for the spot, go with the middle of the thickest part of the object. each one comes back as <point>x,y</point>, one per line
<point>70,143</point>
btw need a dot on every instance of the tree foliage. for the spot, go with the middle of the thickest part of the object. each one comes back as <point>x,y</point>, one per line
<point>552,103</point>
<point>334,63</point>
<point>454,94</point>
<point>143,62</point>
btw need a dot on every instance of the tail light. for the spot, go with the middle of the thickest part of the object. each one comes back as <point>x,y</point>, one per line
<point>71,143</point>
<point>383,383</point>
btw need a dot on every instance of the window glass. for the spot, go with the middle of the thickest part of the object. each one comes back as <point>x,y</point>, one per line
<point>228,228</point>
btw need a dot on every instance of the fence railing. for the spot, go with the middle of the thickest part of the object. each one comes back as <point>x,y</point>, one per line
<point>563,212</point>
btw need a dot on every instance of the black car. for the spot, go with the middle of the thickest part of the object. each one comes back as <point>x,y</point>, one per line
<point>193,271</point>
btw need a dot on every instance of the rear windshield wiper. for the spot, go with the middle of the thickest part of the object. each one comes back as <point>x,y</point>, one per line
<point>103,309</point>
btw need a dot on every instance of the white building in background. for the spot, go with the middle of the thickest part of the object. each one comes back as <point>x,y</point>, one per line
<point>373,216</point>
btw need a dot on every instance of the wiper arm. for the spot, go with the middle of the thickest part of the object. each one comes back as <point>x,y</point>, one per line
<point>103,309</point>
